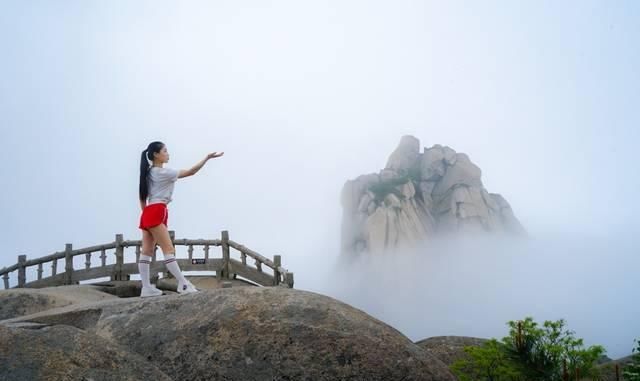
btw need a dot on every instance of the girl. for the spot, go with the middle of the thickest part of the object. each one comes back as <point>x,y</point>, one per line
<point>156,188</point>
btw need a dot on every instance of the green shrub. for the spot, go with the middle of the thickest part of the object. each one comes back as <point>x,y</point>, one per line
<point>487,362</point>
<point>382,189</point>
<point>532,353</point>
<point>632,371</point>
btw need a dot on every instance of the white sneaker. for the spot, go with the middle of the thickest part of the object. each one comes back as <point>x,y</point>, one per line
<point>186,288</point>
<point>192,285</point>
<point>150,291</point>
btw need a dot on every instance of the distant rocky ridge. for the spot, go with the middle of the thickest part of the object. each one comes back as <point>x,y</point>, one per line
<point>417,196</point>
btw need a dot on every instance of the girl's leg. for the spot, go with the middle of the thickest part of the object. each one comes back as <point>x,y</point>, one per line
<point>146,252</point>
<point>161,236</point>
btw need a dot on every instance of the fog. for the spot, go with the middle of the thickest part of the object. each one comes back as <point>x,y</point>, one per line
<point>473,286</point>
<point>301,97</point>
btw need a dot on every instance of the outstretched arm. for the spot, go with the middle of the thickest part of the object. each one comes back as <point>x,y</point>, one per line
<point>193,170</point>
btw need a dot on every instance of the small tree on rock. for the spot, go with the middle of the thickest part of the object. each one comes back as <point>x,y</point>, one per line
<point>632,371</point>
<point>531,352</point>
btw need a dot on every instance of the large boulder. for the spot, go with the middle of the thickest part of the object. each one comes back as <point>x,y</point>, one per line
<point>405,155</point>
<point>462,172</point>
<point>25,301</point>
<point>244,333</point>
<point>432,165</point>
<point>401,220</point>
<point>418,196</point>
<point>63,352</point>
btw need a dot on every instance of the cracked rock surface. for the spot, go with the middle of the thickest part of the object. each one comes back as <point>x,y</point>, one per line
<point>244,333</point>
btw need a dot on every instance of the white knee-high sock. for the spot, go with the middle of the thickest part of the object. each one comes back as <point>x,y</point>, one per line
<point>143,268</point>
<point>172,266</point>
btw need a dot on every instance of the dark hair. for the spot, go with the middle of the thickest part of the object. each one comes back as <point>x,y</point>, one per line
<point>153,147</point>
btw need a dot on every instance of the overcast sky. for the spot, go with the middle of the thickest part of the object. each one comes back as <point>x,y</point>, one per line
<point>543,96</point>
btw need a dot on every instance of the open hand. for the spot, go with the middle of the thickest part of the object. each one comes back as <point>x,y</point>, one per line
<point>214,155</point>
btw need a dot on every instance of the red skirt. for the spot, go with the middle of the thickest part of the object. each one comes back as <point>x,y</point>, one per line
<point>153,215</point>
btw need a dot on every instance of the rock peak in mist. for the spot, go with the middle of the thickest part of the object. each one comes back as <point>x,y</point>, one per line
<point>418,196</point>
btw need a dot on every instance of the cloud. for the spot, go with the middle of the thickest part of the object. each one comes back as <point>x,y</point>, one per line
<point>471,286</point>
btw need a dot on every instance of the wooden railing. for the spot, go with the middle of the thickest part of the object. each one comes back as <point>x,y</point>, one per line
<point>225,267</point>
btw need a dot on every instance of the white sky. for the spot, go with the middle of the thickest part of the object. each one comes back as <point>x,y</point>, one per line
<point>544,97</point>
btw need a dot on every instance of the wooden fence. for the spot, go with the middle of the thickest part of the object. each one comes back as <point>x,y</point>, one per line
<point>225,267</point>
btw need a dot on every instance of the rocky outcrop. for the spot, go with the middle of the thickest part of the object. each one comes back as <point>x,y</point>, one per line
<point>25,301</point>
<point>607,369</point>
<point>450,349</point>
<point>248,333</point>
<point>419,195</point>
<point>63,352</point>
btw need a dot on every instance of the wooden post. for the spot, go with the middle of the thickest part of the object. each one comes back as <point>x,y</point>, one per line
<point>225,255</point>
<point>276,274</point>
<point>155,274</point>
<point>22,273</point>
<point>166,274</point>
<point>5,278</point>
<point>117,272</point>
<point>289,279</point>
<point>68,264</point>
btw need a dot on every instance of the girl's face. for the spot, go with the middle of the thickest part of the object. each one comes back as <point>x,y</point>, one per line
<point>162,156</point>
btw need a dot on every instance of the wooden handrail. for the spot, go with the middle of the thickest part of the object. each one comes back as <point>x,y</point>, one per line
<point>118,272</point>
<point>91,249</point>
<point>279,271</point>
<point>251,253</point>
<point>181,241</point>
<point>48,258</point>
<point>9,269</point>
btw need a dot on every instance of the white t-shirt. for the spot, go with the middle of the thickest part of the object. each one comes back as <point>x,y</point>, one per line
<point>160,184</point>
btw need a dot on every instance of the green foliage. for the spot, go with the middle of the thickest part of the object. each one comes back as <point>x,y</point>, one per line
<point>415,173</point>
<point>544,351</point>
<point>531,352</point>
<point>632,371</point>
<point>382,189</point>
<point>487,362</point>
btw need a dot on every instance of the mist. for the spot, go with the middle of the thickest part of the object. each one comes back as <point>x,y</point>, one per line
<point>472,286</point>
<point>302,97</point>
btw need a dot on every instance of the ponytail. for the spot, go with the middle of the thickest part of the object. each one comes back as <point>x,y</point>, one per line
<point>145,158</point>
